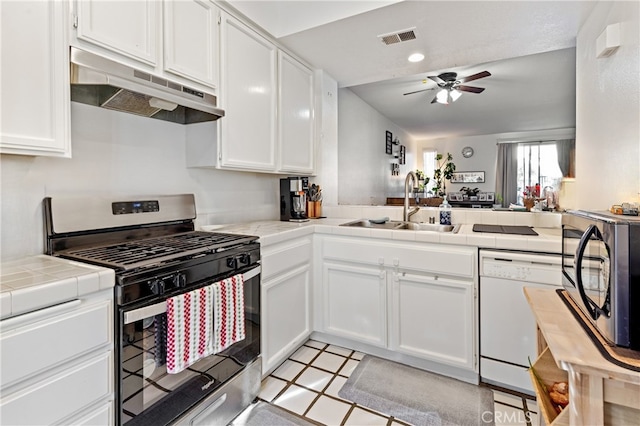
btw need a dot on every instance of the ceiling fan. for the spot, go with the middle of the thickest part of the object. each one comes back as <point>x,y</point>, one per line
<point>450,87</point>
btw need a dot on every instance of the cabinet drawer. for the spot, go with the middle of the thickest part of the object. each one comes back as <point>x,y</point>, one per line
<point>51,400</point>
<point>38,346</point>
<point>369,252</point>
<point>438,259</point>
<point>285,256</point>
<point>433,258</point>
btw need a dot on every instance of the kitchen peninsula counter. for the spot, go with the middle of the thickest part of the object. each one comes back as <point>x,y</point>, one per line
<point>548,240</point>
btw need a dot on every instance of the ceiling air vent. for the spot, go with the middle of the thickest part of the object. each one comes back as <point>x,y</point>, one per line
<point>398,36</point>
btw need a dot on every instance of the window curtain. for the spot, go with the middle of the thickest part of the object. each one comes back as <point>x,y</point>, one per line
<point>565,148</point>
<point>507,173</point>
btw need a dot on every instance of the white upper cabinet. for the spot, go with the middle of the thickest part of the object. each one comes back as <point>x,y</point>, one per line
<point>34,89</point>
<point>176,37</point>
<point>295,116</point>
<point>248,95</point>
<point>191,40</point>
<point>128,28</point>
<point>269,100</point>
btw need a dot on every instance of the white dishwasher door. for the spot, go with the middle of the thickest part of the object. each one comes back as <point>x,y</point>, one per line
<point>507,325</point>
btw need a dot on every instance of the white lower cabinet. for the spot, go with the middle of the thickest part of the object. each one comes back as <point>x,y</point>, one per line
<point>433,318</point>
<point>417,299</point>
<point>58,364</point>
<point>285,300</point>
<point>355,302</point>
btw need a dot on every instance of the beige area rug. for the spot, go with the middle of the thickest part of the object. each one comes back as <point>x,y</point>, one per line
<point>417,396</point>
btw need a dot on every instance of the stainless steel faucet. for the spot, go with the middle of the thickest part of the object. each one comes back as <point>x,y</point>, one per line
<point>406,214</point>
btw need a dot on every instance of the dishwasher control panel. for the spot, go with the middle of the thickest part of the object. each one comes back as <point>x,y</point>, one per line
<point>522,267</point>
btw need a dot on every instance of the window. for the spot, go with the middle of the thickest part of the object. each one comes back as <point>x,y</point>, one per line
<point>528,164</point>
<point>429,166</point>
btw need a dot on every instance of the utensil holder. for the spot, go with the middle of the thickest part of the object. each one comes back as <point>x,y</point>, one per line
<point>314,209</point>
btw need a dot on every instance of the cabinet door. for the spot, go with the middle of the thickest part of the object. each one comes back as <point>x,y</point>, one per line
<point>285,311</point>
<point>248,95</point>
<point>35,111</point>
<point>191,40</point>
<point>129,28</point>
<point>355,303</point>
<point>295,116</point>
<point>68,391</point>
<point>434,319</point>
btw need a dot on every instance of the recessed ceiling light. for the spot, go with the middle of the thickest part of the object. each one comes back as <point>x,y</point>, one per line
<point>416,57</point>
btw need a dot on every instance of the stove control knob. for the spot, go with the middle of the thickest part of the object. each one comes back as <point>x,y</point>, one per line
<point>245,258</point>
<point>180,280</point>
<point>232,262</point>
<point>157,287</point>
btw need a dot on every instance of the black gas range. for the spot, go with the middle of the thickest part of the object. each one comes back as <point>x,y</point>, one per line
<point>152,245</point>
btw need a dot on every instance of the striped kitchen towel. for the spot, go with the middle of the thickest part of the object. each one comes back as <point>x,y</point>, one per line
<point>204,322</point>
<point>189,328</point>
<point>228,302</point>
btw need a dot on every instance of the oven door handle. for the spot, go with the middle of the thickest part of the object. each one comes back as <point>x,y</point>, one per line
<point>161,308</point>
<point>251,273</point>
<point>146,312</point>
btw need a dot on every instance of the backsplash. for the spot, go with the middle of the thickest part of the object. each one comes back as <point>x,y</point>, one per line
<point>122,154</point>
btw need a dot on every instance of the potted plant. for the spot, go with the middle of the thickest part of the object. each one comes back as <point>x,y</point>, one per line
<point>422,180</point>
<point>499,200</point>
<point>444,170</point>
<point>472,194</point>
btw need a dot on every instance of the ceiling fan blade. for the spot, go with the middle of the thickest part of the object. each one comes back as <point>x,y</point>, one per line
<point>417,91</point>
<point>437,79</point>
<point>434,100</point>
<point>482,74</point>
<point>471,89</point>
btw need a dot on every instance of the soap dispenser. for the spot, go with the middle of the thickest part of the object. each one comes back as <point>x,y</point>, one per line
<point>445,212</point>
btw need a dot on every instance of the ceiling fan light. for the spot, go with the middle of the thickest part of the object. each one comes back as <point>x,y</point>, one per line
<point>442,96</point>
<point>455,94</point>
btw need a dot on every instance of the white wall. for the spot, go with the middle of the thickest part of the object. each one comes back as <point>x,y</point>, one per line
<point>485,152</point>
<point>608,110</point>
<point>364,169</point>
<point>327,148</point>
<point>117,153</point>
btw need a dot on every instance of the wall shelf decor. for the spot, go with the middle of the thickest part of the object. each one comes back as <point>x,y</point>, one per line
<point>467,177</point>
<point>403,153</point>
<point>389,143</point>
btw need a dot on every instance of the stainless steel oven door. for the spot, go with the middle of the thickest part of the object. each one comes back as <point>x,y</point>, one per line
<point>147,393</point>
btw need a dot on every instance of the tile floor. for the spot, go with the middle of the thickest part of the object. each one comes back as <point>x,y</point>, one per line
<point>307,385</point>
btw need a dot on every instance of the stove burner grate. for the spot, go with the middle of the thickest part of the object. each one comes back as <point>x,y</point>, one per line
<point>132,254</point>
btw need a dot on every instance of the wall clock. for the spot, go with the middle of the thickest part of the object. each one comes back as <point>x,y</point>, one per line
<point>467,152</point>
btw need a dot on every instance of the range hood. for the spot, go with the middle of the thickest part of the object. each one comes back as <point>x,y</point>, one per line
<point>101,82</point>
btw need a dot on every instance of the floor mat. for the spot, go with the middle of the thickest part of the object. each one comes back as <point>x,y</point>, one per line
<point>417,396</point>
<point>504,229</point>
<point>262,414</point>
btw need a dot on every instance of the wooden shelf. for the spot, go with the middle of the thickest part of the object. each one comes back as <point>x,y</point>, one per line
<point>549,373</point>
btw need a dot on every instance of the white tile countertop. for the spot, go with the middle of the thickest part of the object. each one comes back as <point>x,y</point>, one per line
<point>548,240</point>
<point>40,281</point>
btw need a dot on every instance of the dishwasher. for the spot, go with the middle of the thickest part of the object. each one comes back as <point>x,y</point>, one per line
<point>508,332</point>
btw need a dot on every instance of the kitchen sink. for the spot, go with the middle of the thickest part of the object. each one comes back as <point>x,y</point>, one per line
<point>397,224</point>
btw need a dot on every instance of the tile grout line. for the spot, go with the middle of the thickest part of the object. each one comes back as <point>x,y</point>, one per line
<point>352,405</point>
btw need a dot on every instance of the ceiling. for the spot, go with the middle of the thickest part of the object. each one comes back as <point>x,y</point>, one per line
<point>527,46</point>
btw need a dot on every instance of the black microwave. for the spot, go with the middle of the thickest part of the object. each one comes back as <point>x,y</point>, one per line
<point>601,272</point>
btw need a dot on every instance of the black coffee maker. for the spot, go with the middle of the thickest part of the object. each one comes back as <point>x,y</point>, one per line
<point>293,199</point>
